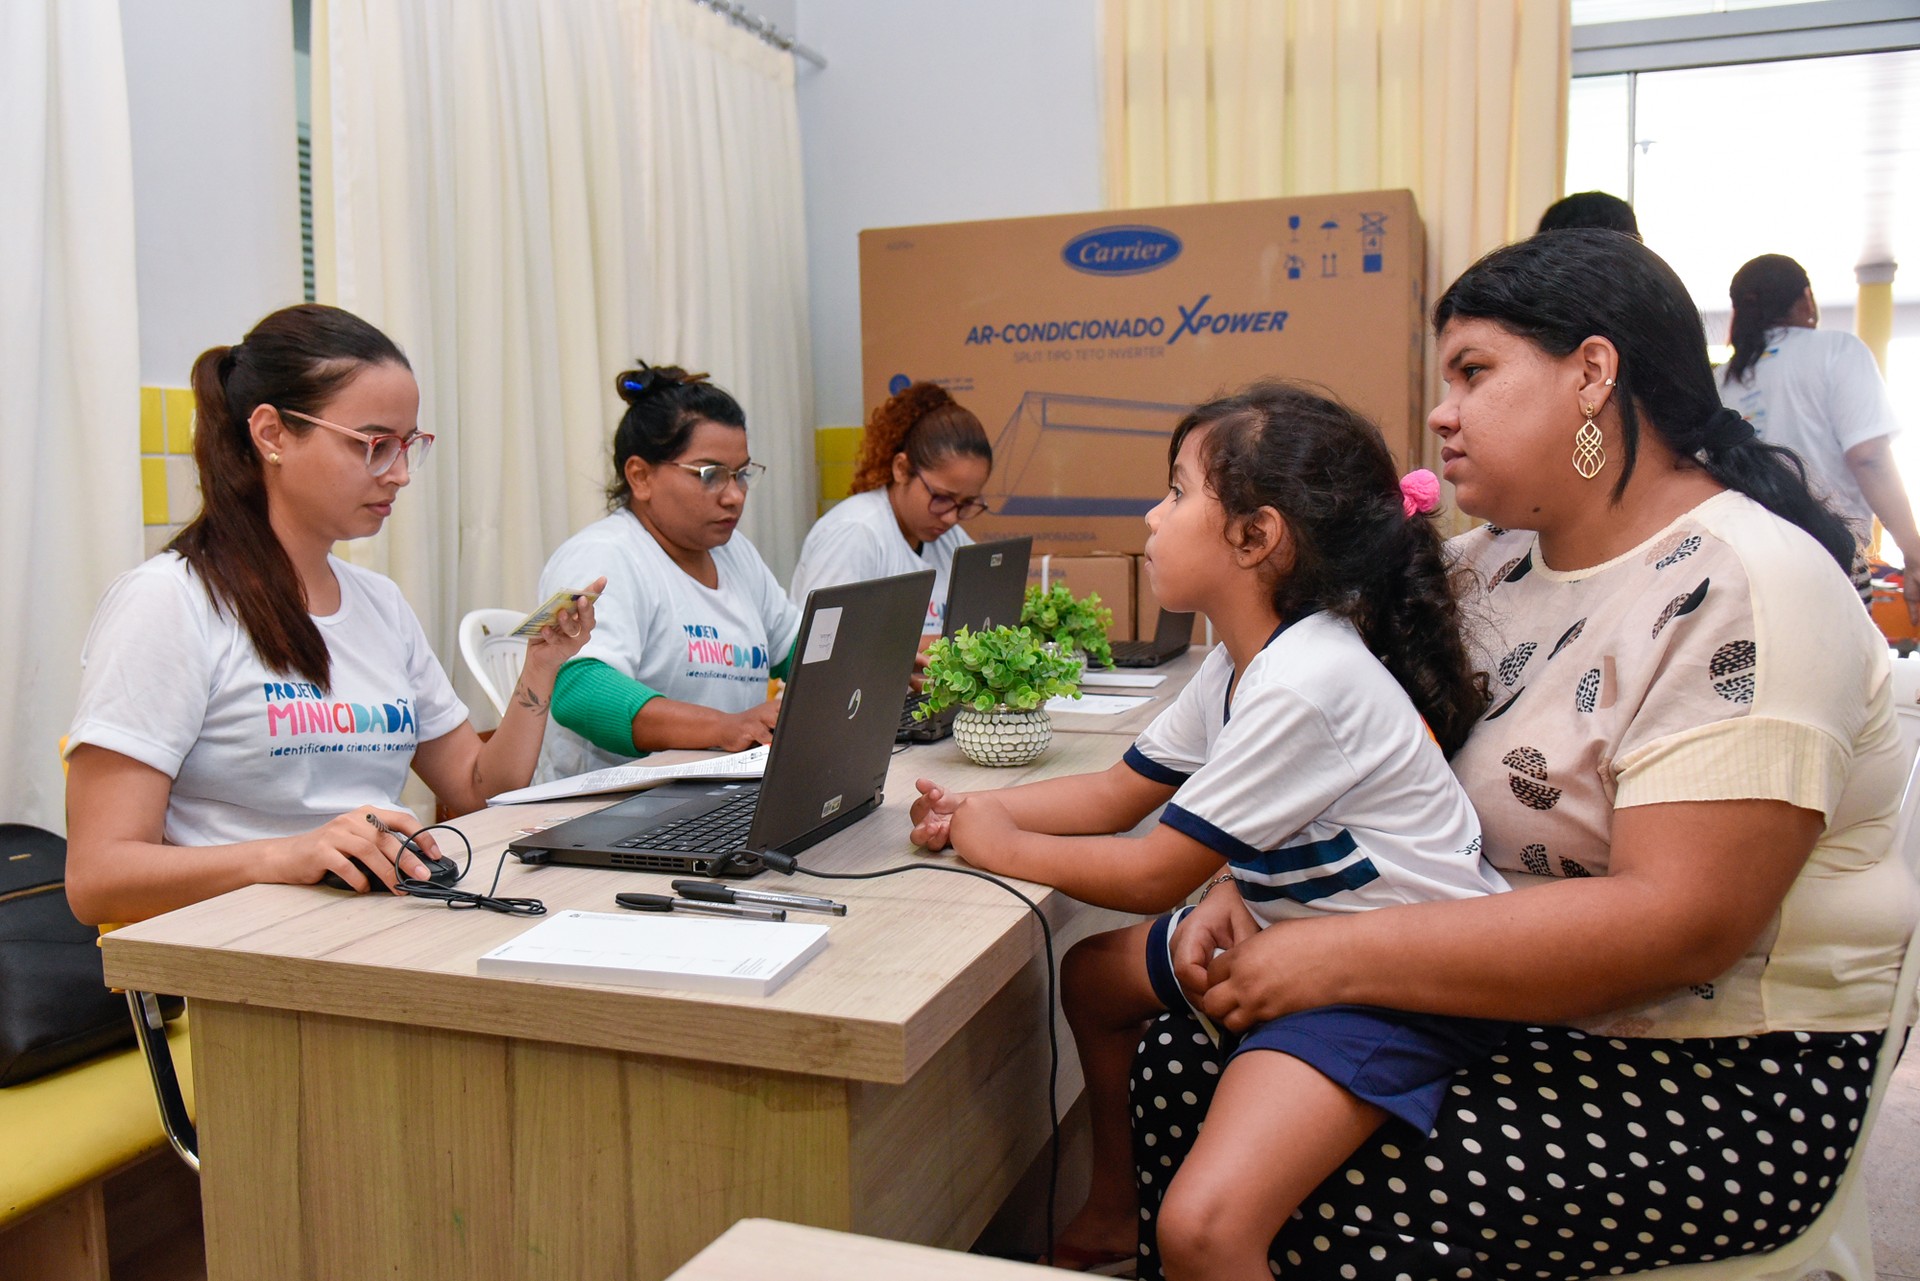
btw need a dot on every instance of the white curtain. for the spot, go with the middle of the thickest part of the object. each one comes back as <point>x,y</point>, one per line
<point>1462,101</point>
<point>69,372</point>
<point>721,130</point>
<point>527,197</point>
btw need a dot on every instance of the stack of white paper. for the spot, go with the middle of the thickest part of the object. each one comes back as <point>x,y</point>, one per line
<point>700,954</point>
<point>751,763</point>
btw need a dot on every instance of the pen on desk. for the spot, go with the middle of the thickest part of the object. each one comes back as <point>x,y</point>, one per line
<point>708,892</point>
<point>668,903</point>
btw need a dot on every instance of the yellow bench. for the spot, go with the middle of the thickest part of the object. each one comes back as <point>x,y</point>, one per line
<point>64,1135</point>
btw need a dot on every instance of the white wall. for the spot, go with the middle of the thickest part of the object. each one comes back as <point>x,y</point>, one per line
<point>215,173</point>
<point>935,111</point>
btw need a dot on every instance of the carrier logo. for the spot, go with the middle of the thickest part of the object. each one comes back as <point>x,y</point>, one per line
<point>1121,251</point>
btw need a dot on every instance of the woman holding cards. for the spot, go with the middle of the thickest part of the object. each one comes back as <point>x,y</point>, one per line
<point>250,704</point>
<point>693,623</point>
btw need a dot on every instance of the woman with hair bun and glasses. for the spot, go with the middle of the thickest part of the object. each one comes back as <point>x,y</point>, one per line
<point>693,623</point>
<point>1819,393</point>
<point>249,703</point>
<point>1690,789</point>
<point>923,461</point>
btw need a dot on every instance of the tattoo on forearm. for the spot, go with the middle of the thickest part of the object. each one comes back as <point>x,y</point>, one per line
<point>531,701</point>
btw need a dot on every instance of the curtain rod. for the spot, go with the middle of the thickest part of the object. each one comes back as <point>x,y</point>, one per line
<point>740,16</point>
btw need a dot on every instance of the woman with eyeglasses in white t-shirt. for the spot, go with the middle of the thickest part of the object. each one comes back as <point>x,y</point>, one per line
<point>924,459</point>
<point>250,705</point>
<point>692,624</point>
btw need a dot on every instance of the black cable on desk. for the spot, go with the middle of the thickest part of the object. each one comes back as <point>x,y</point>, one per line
<point>465,900</point>
<point>786,863</point>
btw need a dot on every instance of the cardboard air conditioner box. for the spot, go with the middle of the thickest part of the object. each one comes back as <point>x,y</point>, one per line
<point>1081,339</point>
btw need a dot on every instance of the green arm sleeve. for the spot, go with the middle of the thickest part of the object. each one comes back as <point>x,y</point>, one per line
<point>784,668</point>
<point>599,704</point>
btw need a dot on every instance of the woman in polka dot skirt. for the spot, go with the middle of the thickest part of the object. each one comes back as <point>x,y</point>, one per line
<point>1307,757</point>
<point>1690,785</point>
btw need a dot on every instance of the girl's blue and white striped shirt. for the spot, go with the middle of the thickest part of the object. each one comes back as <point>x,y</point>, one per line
<point>1319,785</point>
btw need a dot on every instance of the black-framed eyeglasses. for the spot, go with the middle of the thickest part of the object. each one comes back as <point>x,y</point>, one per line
<point>716,475</point>
<point>940,503</point>
<point>383,448</point>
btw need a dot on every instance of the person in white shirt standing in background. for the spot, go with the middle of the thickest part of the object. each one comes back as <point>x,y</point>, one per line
<point>923,461</point>
<point>1819,393</point>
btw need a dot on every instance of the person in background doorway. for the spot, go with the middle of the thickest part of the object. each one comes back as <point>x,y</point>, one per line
<point>923,461</point>
<point>1819,393</point>
<point>693,624</point>
<point>1590,209</point>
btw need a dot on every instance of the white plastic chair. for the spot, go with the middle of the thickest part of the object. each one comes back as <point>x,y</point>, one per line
<point>1840,1241</point>
<point>493,656</point>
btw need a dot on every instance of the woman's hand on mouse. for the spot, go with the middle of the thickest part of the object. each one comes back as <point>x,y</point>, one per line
<point>335,845</point>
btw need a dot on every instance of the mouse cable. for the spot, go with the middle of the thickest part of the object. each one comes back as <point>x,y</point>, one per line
<point>466,900</point>
<point>789,865</point>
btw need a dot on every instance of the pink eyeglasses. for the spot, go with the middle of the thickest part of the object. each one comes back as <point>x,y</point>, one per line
<point>383,448</point>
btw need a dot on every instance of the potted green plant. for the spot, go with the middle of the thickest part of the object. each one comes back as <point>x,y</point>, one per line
<point>1078,625</point>
<point>1000,679</point>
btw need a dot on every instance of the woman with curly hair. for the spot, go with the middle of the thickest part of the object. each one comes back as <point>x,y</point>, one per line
<point>923,462</point>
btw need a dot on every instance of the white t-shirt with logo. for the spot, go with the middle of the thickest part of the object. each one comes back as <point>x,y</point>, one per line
<point>860,540</point>
<point>1320,786</point>
<point>1819,393</point>
<point>671,633</point>
<point>176,684</point>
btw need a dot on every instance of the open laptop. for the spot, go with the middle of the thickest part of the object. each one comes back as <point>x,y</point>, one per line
<point>986,587</point>
<point>825,770</point>
<point>1171,636</point>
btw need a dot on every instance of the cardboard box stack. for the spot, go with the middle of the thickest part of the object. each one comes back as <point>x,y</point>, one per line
<point>1082,339</point>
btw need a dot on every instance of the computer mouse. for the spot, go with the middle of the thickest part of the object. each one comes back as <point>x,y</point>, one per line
<point>442,871</point>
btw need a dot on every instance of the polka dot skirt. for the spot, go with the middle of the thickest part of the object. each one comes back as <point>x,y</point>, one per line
<point>1564,1155</point>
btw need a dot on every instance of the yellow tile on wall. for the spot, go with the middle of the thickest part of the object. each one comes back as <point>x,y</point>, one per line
<point>153,430</point>
<point>153,491</point>
<point>179,420</point>
<point>836,444</point>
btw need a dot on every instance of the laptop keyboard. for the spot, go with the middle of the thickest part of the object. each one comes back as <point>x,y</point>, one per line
<point>718,830</point>
<point>1136,654</point>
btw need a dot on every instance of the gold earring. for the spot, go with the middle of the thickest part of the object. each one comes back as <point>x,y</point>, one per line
<point>274,459</point>
<point>1588,456</point>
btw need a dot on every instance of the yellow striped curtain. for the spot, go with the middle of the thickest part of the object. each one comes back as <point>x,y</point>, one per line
<point>1464,102</point>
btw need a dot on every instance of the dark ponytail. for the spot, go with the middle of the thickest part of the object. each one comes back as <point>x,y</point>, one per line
<point>297,359</point>
<point>1764,291</point>
<point>1357,553</point>
<point>664,403</point>
<point>1562,288</point>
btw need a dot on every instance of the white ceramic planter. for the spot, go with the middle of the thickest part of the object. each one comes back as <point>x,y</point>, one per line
<point>1003,736</point>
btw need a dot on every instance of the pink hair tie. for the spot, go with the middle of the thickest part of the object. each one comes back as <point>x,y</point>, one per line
<point>1419,492</point>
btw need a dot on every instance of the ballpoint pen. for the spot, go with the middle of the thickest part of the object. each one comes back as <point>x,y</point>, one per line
<point>709,892</point>
<point>668,903</point>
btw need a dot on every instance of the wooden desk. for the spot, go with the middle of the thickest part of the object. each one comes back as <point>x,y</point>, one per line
<point>755,1249</point>
<point>368,1104</point>
<point>1178,672</point>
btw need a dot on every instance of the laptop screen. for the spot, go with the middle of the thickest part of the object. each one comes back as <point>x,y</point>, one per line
<point>834,738</point>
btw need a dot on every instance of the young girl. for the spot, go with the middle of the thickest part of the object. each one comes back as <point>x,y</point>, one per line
<point>923,461</point>
<point>693,623</point>
<point>1299,758</point>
